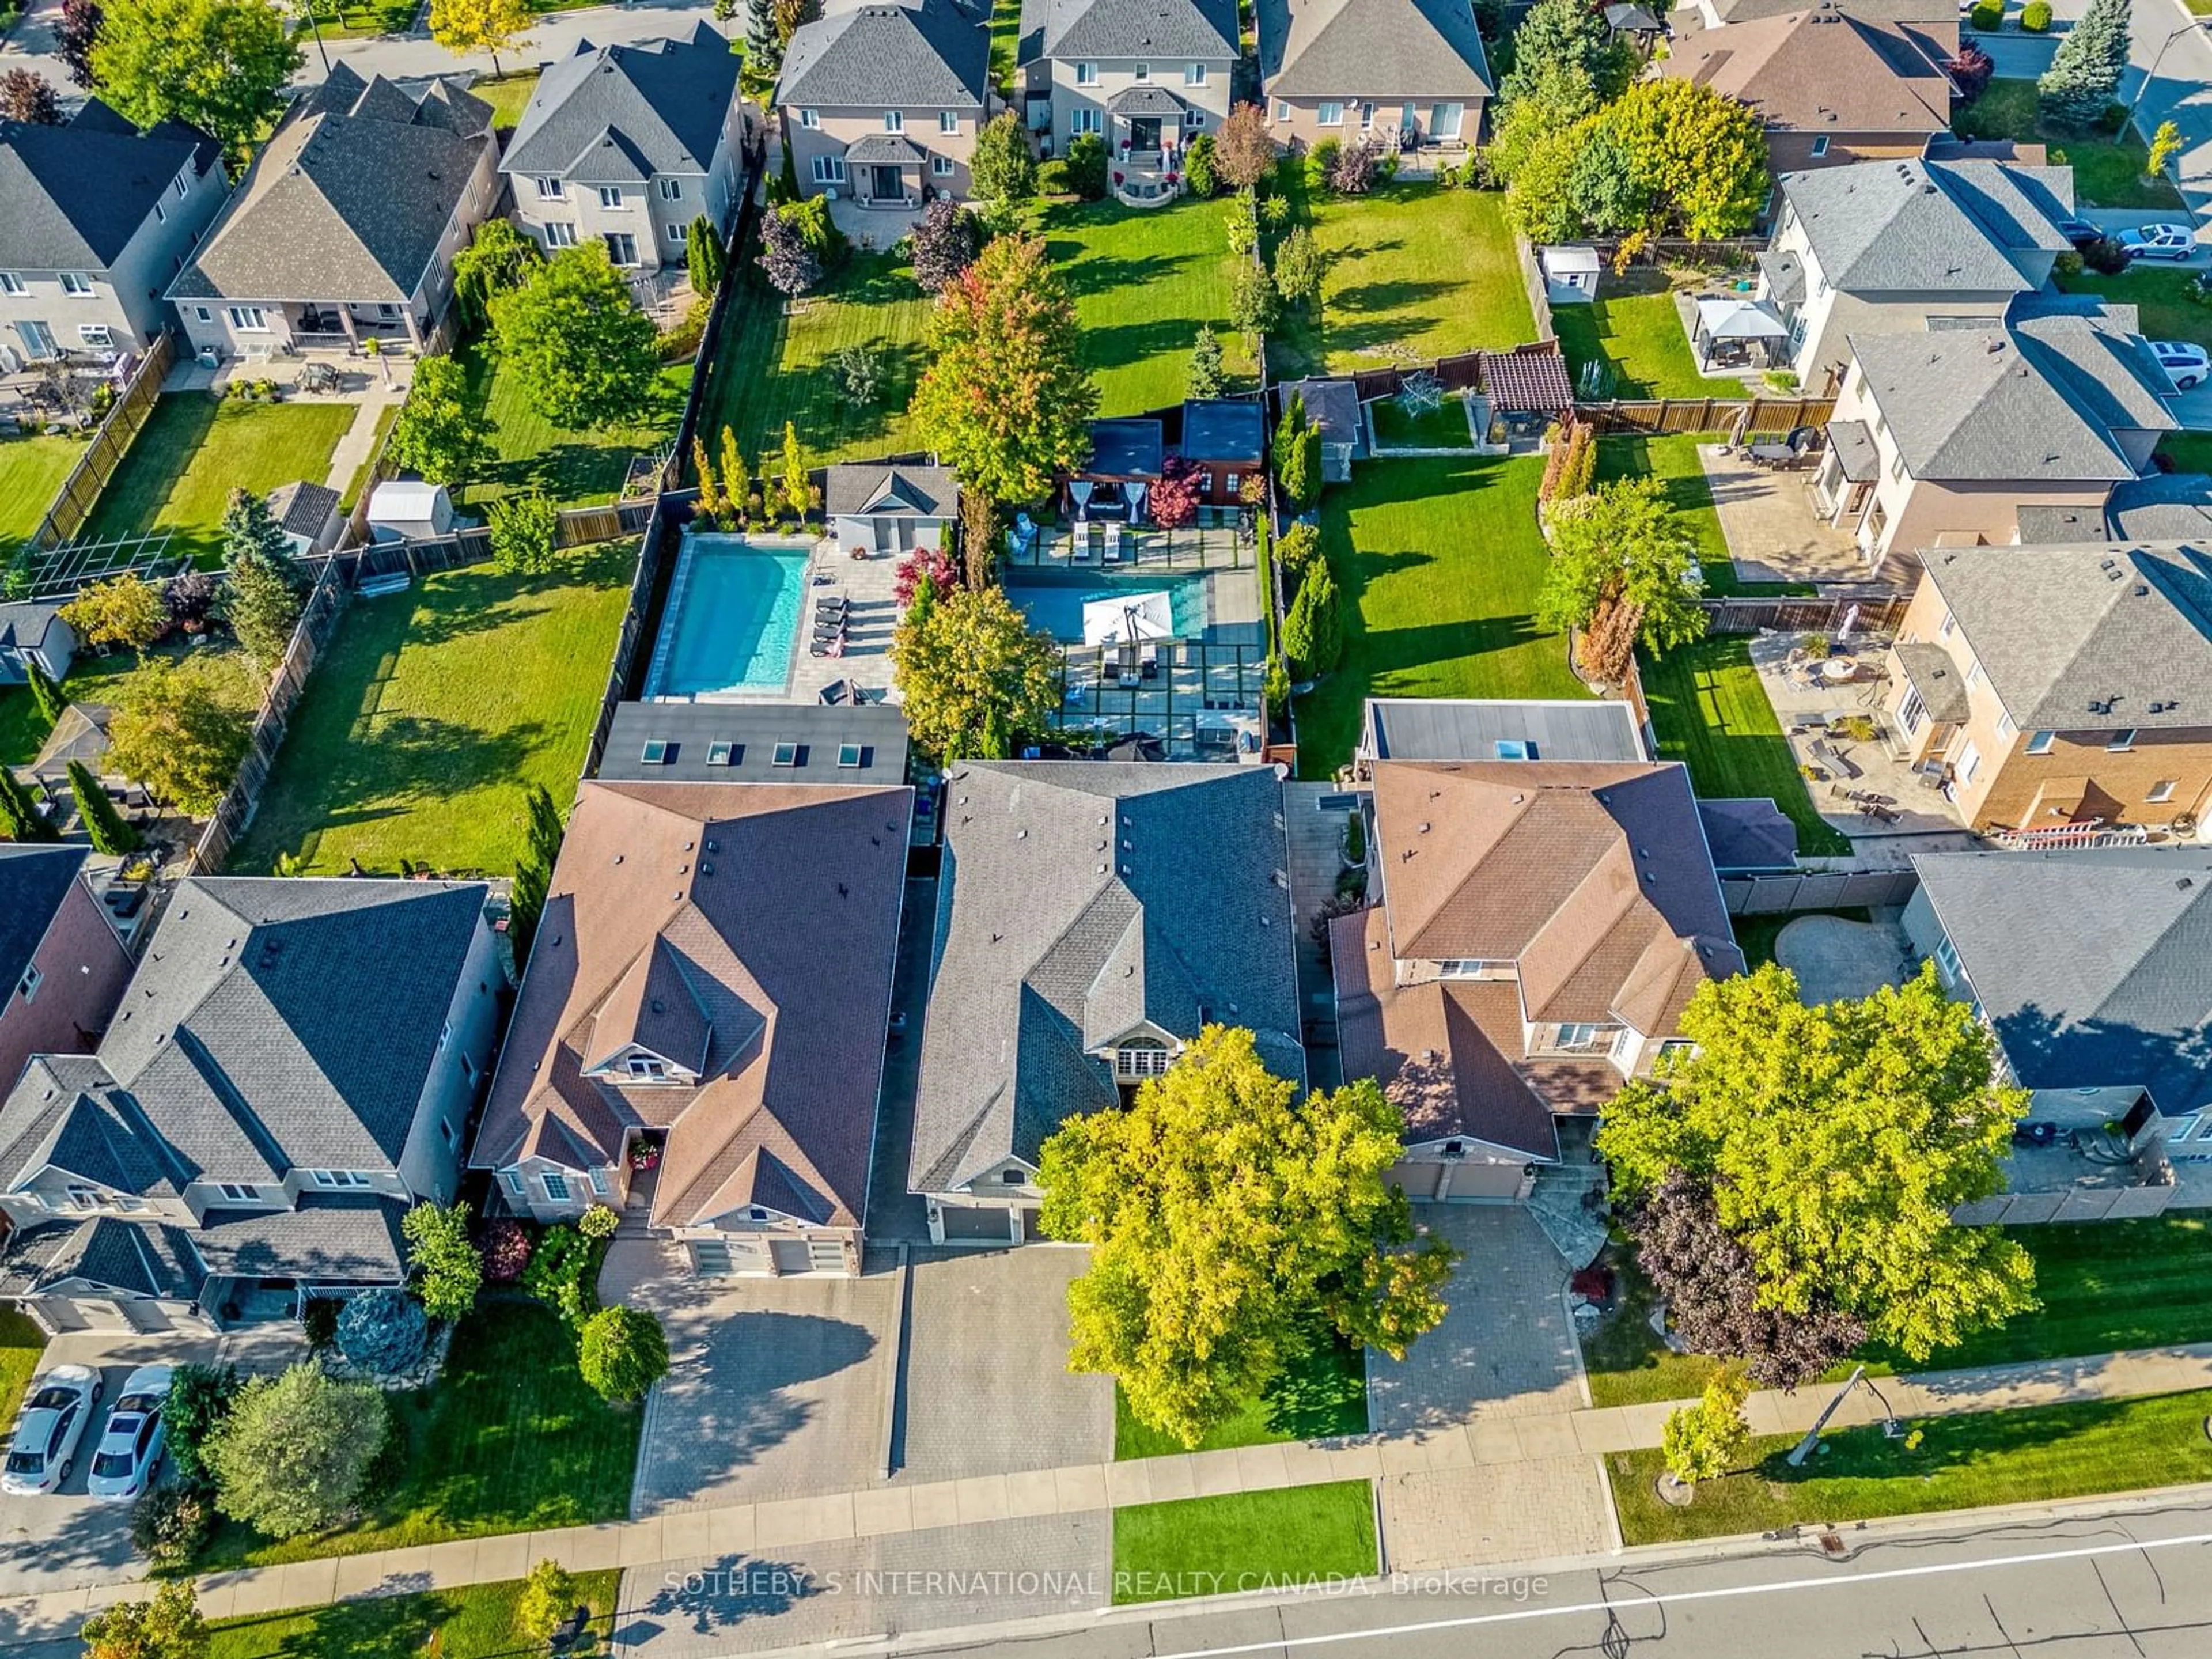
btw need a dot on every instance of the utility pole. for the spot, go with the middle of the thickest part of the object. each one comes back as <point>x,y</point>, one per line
<point>1803,1449</point>
<point>2151,74</point>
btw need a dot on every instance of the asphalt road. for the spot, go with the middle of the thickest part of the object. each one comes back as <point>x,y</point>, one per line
<point>2135,1584</point>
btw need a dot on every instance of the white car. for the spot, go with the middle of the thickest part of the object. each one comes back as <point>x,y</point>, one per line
<point>53,1421</point>
<point>129,1450</point>
<point>2162,242</point>
<point>2186,363</point>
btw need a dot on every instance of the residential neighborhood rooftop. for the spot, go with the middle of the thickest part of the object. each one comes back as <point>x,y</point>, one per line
<point>1163,29</point>
<point>1929,226</point>
<point>618,114</point>
<point>807,744</point>
<point>72,196</point>
<point>915,53</point>
<point>1347,48</point>
<point>1823,70</point>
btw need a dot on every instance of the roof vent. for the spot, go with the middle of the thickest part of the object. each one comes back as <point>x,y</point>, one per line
<point>2185,884</point>
<point>618,858</point>
<point>706,869</point>
<point>1424,829</point>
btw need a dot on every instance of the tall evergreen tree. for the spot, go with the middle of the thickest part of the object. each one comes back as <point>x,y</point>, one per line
<point>20,817</point>
<point>764,46</point>
<point>44,691</point>
<point>2085,72</point>
<point>1205,366</point>
<point>97,812</point>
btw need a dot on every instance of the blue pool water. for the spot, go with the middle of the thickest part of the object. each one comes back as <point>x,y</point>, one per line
<point>1057,606</point>
<point>734,617</point>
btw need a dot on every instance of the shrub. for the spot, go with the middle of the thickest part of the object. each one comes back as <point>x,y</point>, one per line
<point>170,1626</point>
<point>861,371</point>
<point>1086,165</point>
<point>549,1596</point>
<point>383,1331</point>
<point>622,1352</point>
<point>2035,16</point>
<point>191,597</point>
<point>599,1222</point>
<point>2105,257</point>
<point>1052,177</point>
<point>1320,163</point>
<point>563,1275</point>
<point>291,1456</point>
<point>200,1398</point>
<point>1971,71</point>
<point>320,1318</point>
<point>1294,550</point>
<point>448,1269</point>
<point>1987,16</point>
<point>1198,166</point>
<point>506,1251</point>
<point>525,535</point>
<point>169,1525</point>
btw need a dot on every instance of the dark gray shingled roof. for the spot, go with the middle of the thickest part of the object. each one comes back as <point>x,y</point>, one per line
<point>1151,29</point>
<point>917,54</point>
<point>1334,406</point>
<point>33,882</point>
<point>658,104</point>
<point>1077,899</point>
<point>1747,833</point>
<point>1471,729</point>
<point>347,200</point>
<point>1385,49</point>
<point>303,508</point>
<point>2037,401</point>
<point>1147,99</point>
<point>692,731</point>
<point>2086,638</point>
<point>2166,506</point>
<point>344,1239</point>
<point>24,625</point>
<point>2094,967</point>
<point>861,488</point>
<point>134,1256</point>
<point>72,196</point>
<point>1929,226</point>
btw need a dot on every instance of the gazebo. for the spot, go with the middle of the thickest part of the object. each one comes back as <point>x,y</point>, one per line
<point>1728,329</point>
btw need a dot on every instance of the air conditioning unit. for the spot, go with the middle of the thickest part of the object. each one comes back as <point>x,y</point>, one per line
<point>830,194</point>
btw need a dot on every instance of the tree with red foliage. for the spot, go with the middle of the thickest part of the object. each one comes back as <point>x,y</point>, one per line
<point>930,562</point>
<point>28,96</point>
<point>1971,71</point>
<point>79,27</point>
<point>1244,151</point>
<point>1173,499</point>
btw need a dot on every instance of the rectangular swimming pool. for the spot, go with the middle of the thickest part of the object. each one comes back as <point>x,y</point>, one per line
<point>1053,601</point>
<point>733,614</point>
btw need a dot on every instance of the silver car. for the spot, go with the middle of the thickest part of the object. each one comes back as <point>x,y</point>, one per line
<point>47,1430</point>
<point>129,1450</point>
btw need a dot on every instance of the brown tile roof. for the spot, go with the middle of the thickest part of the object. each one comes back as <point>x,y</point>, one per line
<point>747,930</point>
<point>1824,71</point>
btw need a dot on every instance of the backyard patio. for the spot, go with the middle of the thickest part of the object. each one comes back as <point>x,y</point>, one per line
<point>1774,532</point>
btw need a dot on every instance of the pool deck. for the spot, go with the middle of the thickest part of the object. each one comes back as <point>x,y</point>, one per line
<point>867,586</point>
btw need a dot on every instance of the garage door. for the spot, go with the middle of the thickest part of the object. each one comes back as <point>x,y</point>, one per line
<point>790,1255</point>
<point>1468,1182</point>
<point>970,1223</point>
<point>1417,1180</point>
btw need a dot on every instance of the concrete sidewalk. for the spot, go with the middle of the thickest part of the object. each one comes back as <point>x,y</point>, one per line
<point>880,1510</point>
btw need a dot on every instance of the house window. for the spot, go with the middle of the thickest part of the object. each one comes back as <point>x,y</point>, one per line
<point>10,283</point>
<point>1676,1045</point>
<point>1366,117</point>
<point>1943,629</point>
<point>559,233</point>
<point>28,987</point>
<point>940,166</point>
<point>511,1179</point>
<point>676,234</point>
<point>1897,467</point>
<point>1820,147</point>
<point>1136,1062</point>
<point>1086,74</point>
<point>600,1184</point>
<point>248,319</point>
<point>643,1065</point>
<point>184,183</point>
<point>203,314</point>
<point>444,1036</point>
<point>1583,1039</point>
<point>1467,968</point>
<point>1142,72</point>
<point>948,120</point>
<point>1193,75</point>
<point>239,1192</point>
<point>1974,675</point>
<point>621,247</point>
<point>828,169</point>
<point>84,1198</point>
<point>2122,741</point>
<point>2039,743</point>
<point>1330,113</point>
<point>337,1177</point>
<point>2161,791</point>
<point>2005,726</point>
<point>1911,711</point>
<point>1970,762</point>
<point>95,334</point>
<point>1206,484</point>
<point>1947,960</point>
<point>552,190</point>
<point>1444,120</point>
<point>78,283</point>
<point>1011,1177</point>
<point>894,121</point>
<point>467,1070</point>
<point>811,120</point>
<point>611,195</point>
<point>671,190</point>
<point>556,1188</point>
<point>1082,120</point>
<point>1230,480</point>
<point>160,214</point>
<point>1282,109</point>
<point>444,1132</point>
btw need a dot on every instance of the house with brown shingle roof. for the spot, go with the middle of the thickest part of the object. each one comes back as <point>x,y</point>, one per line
<point>708,994</point>
<point>1538,928</point>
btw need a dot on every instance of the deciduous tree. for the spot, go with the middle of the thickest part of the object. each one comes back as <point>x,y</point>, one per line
<point>79,33</point>
<point>123,613</point>
<point>1300,265</point>
<point>972,674</point>
<point>290,1456</point>
<point>216,64</point>
<point>525,535</point>
<point>2166,143</point>
<point>621,1353</point>
<point>944,244</point>
<point>487,26</point>
<point>1552,100</point>
<point>791,266</point>
<point>586,354</point>
<point>181,728</point>
<point>550,1596</point>
<point>1088,166</point>
<point>437,434</point>
<point>1836,1141</point>
<point>448,1269</point>
<point>102,822</point>
<point>1699,156</point>
<point>1252,304</point>
<point>1173,501</point>
<point>1002,168</point>
<point>497,261</point>
<point>1622,545</point>
<point>1223,1215</point>
<point>28,96</point>
<point>1704,1442</point>
<point>1244,151</point>
<point>200,1397</point>
<point>167,1627</point>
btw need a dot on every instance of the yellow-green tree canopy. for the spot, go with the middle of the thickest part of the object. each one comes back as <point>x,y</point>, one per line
<point>1223,1215</point>
<point>971,673</point>
<point>1701,155</point>
<point>1836,1140</point>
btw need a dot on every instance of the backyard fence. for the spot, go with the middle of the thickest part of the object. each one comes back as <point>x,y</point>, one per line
<point>1776,416</point>
<point>1532,283</point>
<point>134,407</point>
<point>718,312</point>
<point>1880,611</point>
<point>1817,889</point>
<point>576,527</point>
<point>646,584</point>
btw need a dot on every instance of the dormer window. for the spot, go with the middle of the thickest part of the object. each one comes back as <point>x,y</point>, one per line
<point>1141,1059</point>
<point>647,1068</point>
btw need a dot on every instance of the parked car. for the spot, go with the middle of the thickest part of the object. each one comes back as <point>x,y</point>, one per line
<point>2081,232</point>
<point>47,1430</point>
<point>129,1450</point>
<point>2160,241</point>
<point>2186,363</point>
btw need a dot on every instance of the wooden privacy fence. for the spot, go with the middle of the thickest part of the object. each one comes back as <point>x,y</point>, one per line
<point>80,491</point>
<point>1770,416</point>
<point>1880,611</point>
<point>1816,890</point>
<point>645,581</point>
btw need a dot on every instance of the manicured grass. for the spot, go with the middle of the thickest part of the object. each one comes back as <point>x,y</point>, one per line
<point>1442,428</point>
<point>1420,272</point>
<point>575,469</point>
<point>2107,171</point>
<point>2159,294</point>
<point>2190,451</point>
<point>32,471</point>
<point>510,1439</point>
<point>508,97</point>
<point>433,711</point>
<point>384,424</point>
<point>1323,1394</point>
<point>195,450</point>
<point>1243,1542</point>
<point>21,1342</point>
<point>2038,1456</point>
<point>1710,711</point>
<point>1006,38</point>
<point>90,679</point>
<point>470,1622</point>
<point>1439,562</point>
<point>346,19</point>
<point>1627,1363</point>
<point>1635,334</point>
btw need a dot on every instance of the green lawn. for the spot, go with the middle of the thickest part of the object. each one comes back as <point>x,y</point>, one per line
<point>1242,1542</point>
<point>1709,711</point>
<point>2159,294</point>
<point>1322,1394</point>
<point>1442,428</point>
<point>470,1621</point>
<point>32,471</point>
<point>1635,335</point>
<point>507,95</point>
<point>433,710</point>
<point>195,450</point>
<point>2039,1455</point>
<point>1006,36</point>
<point>2190,451</point>
<point>1674,460</point>
<point>21,1342</point>
<point>576,469</point>
<point>1439,561</point>
<point>348,20</point>
<point>510,1439</point>
<point>90,679</point>
<point>2107,171</point>
<point>1420,272</point>
<point>1625,1360</point>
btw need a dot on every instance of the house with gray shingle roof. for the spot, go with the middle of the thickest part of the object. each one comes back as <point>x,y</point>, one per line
<point>1146,76</point>
<point>1093,916</point>
<point>33,630</point>
<point>630,143</point>
<point>94,217</point>
<point>881,102</point>
<point>2093,969</point>
<point>1407,74</point>
<point>345,227</point>
<point>1940,438</point>
<point>62,962</point>
<point>1882,246</point>
<point>291,1067</point>
<point>2054,690</point>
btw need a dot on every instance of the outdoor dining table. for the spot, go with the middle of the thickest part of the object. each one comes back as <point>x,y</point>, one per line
<point>1839,668</point>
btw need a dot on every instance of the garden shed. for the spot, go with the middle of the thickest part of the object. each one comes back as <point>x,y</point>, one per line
<point>407,510</point>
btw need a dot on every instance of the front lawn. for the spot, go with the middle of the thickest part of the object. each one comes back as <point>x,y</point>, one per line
<point>432,712</point>
<point>1439,561</point>
<point>2039,1455</point>
<point>1634,334</point>
<point>575,469</point>
<point>32,473</point>
<point>1419,271</point>
<point>195,450</point>
<point>2158,293</point>
<point>1243,1542</point>
<point>2107,171</point>
<point>1322,1394</point>
<point>510,1439</point>
<point>1444,427</point>
<point>469,1621</point>
<point>509,97</point>
<point>1709,710</point>
<point>21,1342</point>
